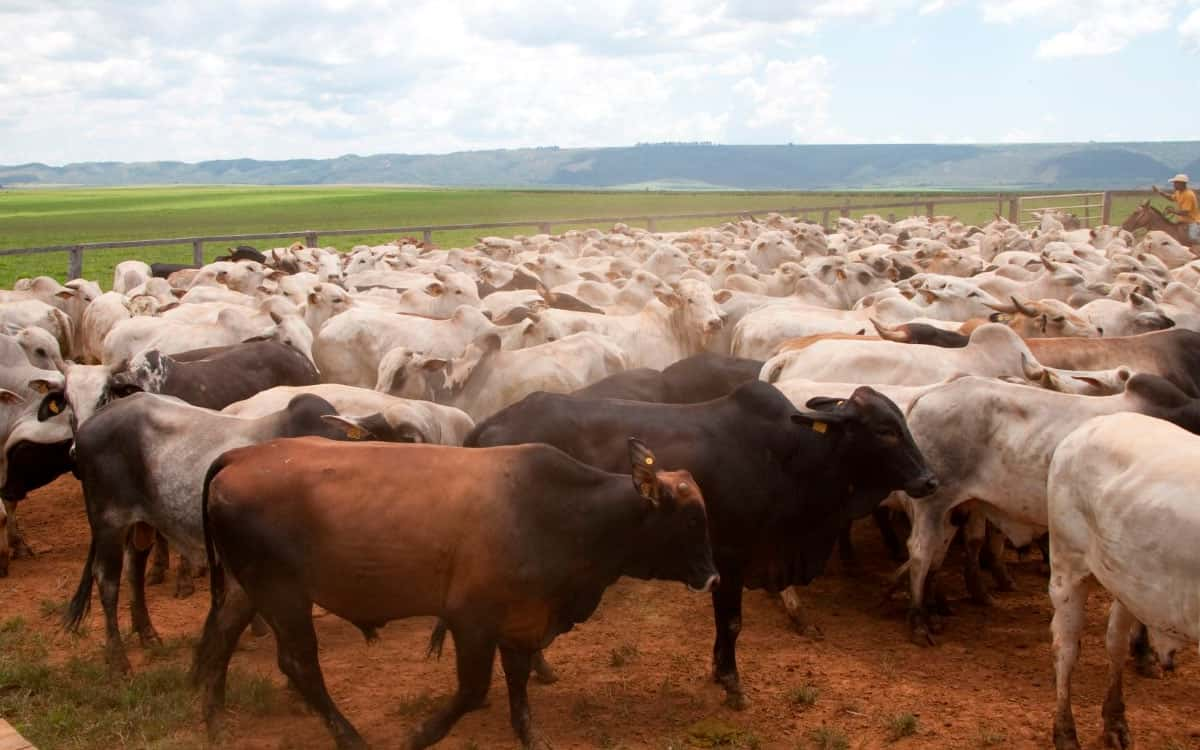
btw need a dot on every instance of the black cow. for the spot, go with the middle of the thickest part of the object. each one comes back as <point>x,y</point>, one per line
<point>219,376</point>
<point>779,484</point>
<point>701,377</point>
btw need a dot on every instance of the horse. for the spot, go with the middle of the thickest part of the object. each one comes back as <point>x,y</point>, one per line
<point>1150,218</point>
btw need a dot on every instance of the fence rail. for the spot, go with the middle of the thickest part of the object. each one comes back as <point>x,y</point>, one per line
<point>1094,207</point>
<point>920,205</point>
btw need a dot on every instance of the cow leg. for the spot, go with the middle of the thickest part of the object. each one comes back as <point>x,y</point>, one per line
<point>846,550</point>
<point>517,665</point>
<point>136,576</point>
<point>17,545</point>
<point>927,544</point>
<point>975,532</point>
<point>996,542</point>
<point>891,540</point>
<point>290,616</point>
<point>184,586</point>
<point>542,669</point>
<point>1145,661</point>
<point>226,621</point>
<point>106,568</point>
<point>1069,596</point>
<point>795,611</point>
<point>727,610</point>
<point>474,653</point>
<point>5,549</point>
<point>159,562</point>
<point>1116,729</point>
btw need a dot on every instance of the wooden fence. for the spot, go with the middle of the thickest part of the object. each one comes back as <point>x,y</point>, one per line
<point>1006,205</point>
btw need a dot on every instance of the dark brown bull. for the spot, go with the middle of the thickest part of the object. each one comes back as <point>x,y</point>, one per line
<point>510,546</point>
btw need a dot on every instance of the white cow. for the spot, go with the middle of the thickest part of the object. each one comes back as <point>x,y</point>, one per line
<point>485,379</point>
<point>1122,509</point>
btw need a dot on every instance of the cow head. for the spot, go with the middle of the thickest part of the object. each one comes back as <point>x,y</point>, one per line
<point>872,430</point>
<point>694,309</point>
<point>1047,318</point>
<point>673,540</point>
<point>82,391</point>
<point>377,427</point>
<point>41,349</point>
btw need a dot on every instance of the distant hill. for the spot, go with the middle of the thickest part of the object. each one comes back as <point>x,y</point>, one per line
<point>685,165</point>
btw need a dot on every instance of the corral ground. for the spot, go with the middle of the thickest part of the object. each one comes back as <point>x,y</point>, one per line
<point>41,217</point>
<point>634,676</point>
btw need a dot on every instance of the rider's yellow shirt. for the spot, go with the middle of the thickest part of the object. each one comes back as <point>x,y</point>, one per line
<point>1186,200</point>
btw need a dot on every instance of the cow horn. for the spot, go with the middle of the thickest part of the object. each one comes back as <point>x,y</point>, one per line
<point>1024,309</point>
<point>1049,264</point>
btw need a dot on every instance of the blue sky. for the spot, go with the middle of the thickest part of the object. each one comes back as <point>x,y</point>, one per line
<point>133,80</point>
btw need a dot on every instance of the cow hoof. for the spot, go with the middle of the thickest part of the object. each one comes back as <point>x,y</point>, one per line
<point>155,576</point>
<point>1065,739</point>
<point>544,673</point>
<point>1004,582</point>
<point>735,701</point>
<point>1146,665</point>
<point>536,742</point>
<point>148,637</point>
<point>118,663</point>
<point>918,629</point>
<point>983,599</point>
<point>21,549</point>
<point>1116,735</point>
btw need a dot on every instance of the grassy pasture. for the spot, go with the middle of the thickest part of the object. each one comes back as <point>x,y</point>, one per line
<point>37,217</point>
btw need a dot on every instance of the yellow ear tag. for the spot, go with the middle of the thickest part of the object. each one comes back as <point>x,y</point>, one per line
<point>53,407</point>
<point>649,461</point>
<point>820,427</point>
<point>356,433</point>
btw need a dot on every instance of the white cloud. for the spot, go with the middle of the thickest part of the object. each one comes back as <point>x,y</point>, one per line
<point>1190,30</point>
<point>1096,27</point>
<point>792,94</point>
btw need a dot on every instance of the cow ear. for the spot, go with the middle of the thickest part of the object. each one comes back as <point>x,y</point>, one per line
<point>645,478</point>
<point>53,404</point>
<point>8,397</point>
<point>44,386</point>
<point>276,317</point>
<point>65,293</point>
<point>668,298</point>
<point>349,425</point>
<point>435,289</point>
<point>722,296</point>
<point>433,364</point>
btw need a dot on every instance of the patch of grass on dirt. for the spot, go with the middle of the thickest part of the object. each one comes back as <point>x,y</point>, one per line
<point>78,704</point>
<point>416,706</point>
<point>626,653</point>
<point>52,608</point>
<point>829,738</point>
<point>901,726</point>
<point>711,732</point>
<point>804,696</point>
<point>989,737</point>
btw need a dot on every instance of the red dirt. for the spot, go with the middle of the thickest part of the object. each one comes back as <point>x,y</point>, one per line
<point>990,682</point>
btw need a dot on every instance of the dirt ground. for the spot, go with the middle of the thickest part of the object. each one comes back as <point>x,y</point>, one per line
<point>636,674</point>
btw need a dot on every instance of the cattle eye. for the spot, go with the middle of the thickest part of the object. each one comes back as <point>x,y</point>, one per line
<point>1059,319</point>
<point>41,352</point>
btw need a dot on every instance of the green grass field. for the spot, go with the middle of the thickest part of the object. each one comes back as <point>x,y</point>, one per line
<point>37,217</point>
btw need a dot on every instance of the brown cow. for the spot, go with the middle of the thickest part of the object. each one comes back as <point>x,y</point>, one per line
<point>511,546</point>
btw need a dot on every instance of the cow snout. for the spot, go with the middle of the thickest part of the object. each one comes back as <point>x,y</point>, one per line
<point>713,325</point>
<point>923,486</point>
<point>710,583</point>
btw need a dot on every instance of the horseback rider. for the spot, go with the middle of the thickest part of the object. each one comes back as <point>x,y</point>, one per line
<point>1186,207</point>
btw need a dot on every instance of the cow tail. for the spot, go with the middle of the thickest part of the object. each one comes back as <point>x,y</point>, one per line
<point>79,605</point>
<point>436,640</point>
<point>216,573</point>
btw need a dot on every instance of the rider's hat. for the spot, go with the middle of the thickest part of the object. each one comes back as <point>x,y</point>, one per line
<point>1179,178</point>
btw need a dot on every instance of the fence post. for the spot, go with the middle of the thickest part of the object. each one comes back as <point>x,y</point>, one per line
<point>310,239</point>
<point>427,236</point>
<point>544,227</point>
<point>825,218</point>
<point>1014,210</point>
<point>198,252</point>
<point>650,225</point>
<point>1106,209</point>
<point>74,263</point>
<point>891,217</point>
<point>929,209</point>
<point>845,211</point>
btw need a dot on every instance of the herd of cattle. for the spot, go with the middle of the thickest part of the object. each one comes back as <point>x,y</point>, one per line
<point>522,422</point>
